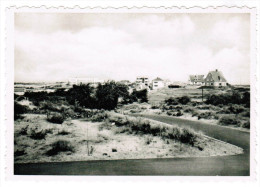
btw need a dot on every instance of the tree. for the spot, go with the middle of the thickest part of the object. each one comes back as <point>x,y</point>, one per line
<point>140,96</point>
<point>107,95</point>
<point>82,95</point>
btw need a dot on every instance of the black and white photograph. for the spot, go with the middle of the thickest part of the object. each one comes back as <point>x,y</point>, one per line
<point>132,93</point>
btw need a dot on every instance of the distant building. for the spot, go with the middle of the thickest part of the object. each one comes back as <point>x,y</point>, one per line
<point>196,80</point>
<point>91,81</point>
<point>215,78</point>
<point>157,83</point>
<point>142,83</point>
<point>19,90</point>
<point>125,82</point>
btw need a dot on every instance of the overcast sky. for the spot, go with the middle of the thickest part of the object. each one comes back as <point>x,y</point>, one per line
<point>57,46</point>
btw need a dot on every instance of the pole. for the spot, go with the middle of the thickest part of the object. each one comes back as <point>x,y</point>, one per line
<point>202,93</point>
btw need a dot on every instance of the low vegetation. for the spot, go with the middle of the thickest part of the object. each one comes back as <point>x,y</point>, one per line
<point>146,127</point>
<point>60,146</point>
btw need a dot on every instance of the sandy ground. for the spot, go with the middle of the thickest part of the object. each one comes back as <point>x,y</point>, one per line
<point>106,144</point>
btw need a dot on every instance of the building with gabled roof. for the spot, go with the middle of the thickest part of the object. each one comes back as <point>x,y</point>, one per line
<point>157,83</point>
<point>215,78</point>
<point>196,80</point>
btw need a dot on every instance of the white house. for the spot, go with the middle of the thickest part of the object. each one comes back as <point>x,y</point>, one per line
<point>142,83</point>
<point>196,80</point>
<point>157,83</point>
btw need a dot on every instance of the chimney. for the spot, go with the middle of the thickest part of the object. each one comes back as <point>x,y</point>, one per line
<point>216,70</point>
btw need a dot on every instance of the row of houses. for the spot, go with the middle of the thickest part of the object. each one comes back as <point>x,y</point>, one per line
<point>213,78</point>
<point>144,83</point>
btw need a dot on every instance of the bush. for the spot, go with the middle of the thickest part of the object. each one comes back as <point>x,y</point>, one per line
<point>233,98</point>
<point>99,117</point>
<point>60,146</point>
<point>178,100</point>
<point>205,115</point>
<point>171,101</point>
<point>246,124</point>
<point>63,132</point>
<point>55,118</point>
<point>188,137</point>
<point>19,152</point>
<point>38,134</point>
<point>189,110</point>
<point>229,120</point>
<point>19,110</point>
<point>47,105</point>
<point>24,130</point>
<point>236,109</point>
<point>184,100</point>
<point>140,96</point>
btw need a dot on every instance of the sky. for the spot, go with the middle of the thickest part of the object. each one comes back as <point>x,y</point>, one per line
<point>120,46</point>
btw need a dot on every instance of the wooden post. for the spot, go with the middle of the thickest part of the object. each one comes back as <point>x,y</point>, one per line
<point>202,93</point>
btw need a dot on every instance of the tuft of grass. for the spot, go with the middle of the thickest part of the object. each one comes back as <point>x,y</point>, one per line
<point>99,117</point>
<point>63,132</point>
<point>38,134</point>
<point>24,130</point>
<point>55,118</point>
<point>60,146</point>
<point>148,140</point>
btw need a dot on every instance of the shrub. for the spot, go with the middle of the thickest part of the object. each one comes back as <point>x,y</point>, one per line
<point>99,117</point>
<point>233,98</point>
<point>236,109</point>
<point>155,107</point>
<point>19,152</point>
<point>55,118</point>
<point>205,115</point>
<point>140,96</point>
<point>228,120</point>
<point>246,124</point>
<point>246,99</point>
<point>19,110</point>
<point>24,130</point>
<point>189,110</point>
<point>47,105</point>
<point>38,134</point>
<point>60,146</point>
<point>245,113</point>
<point>184,100</point>
<point>171,101</point>
<point>178,100</point>
<point>63,132</point>
<point>188,137</point>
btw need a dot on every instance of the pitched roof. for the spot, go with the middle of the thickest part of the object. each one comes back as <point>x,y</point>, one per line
<point>158,79</point>
<point>217,76</point>
<point>197,78</point>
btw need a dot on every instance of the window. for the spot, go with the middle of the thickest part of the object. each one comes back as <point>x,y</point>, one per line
<point>219,84</point>
<point>211,84</point>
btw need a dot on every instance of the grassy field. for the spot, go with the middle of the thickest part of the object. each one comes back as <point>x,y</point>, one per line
<point>157,96</point>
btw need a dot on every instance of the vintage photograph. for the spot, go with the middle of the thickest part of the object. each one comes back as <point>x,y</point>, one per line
<point>147,93</point>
